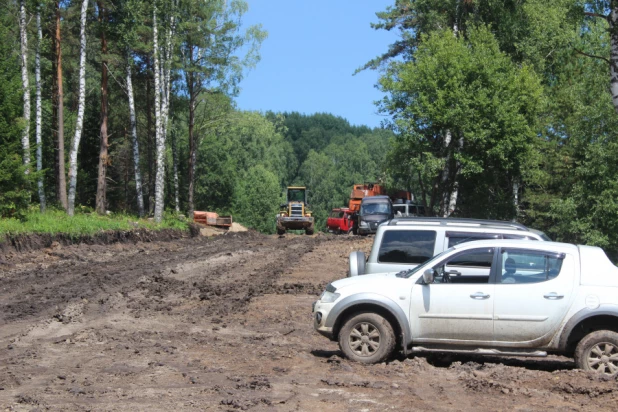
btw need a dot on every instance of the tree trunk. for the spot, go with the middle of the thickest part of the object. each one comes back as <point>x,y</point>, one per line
<point>103,153</point>
<point>613,66</point>
<point>38,110</point>
<point>452,204</point>
<point>175,160</point>
<point>25,139</point>
<point>165,56</point>
<point>444,186</point>
<point>149,140</point>
<point>61,187</point>
<point>80,112</point>
<point>138,176</point>
<point>160,142</point>
<point>192,149</point>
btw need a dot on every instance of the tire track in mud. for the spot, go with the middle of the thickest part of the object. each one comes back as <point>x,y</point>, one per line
<point>158,277</point>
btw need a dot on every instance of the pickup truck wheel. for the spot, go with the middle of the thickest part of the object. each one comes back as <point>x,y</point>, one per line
<point>367,338</point>
<point>598,352</point>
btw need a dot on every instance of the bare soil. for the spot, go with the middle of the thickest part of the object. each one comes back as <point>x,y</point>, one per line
<point>224,324</point>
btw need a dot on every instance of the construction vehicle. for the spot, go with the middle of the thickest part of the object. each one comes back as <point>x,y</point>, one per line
<point>360,191</point>
<point>294,214</point>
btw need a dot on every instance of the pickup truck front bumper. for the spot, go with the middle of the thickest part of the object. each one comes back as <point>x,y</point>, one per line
<point>320,313</point>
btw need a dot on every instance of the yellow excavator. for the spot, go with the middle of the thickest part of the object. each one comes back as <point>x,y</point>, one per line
<point>294,214</point>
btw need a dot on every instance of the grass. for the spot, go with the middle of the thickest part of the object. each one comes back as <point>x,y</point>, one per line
<point>57,222</point>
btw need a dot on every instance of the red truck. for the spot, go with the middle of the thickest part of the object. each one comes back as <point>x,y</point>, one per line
<point>340,220</point>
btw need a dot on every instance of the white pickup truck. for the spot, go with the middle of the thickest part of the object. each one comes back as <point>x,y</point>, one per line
<point>524,298</point>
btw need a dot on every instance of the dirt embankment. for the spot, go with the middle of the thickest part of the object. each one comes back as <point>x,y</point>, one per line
<point>35,241</point>
<point>224,323</point>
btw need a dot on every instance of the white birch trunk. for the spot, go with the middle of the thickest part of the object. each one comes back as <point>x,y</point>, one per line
<point>80,111</point>
<point>452,204</point>
<point>38,110</point>
<point>160,142</point>
<point>175,159</point>
<point>138,176</point>
<point>613,66</point>
<point>25,139</point>
<point>445,175</point>
<point>165,78</point>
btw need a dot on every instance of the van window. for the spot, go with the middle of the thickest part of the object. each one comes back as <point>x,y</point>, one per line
<point>399,208</point>
<point>455,238</point>
<point>407,246</point>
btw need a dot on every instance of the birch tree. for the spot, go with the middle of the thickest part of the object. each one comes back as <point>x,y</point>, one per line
<point>80,111</point>
<point>159,138</point>
<point>25,139</point>
<point>134,140</point>
<point>38,110</point>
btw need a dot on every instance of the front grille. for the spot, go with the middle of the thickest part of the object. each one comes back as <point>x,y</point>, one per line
<point>296,210</point>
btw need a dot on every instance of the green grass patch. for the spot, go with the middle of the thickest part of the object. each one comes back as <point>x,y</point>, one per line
<point>58,222</point>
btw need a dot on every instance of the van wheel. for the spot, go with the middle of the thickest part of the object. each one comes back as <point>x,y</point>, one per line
<point>367,338</point>
<point>598,352</point>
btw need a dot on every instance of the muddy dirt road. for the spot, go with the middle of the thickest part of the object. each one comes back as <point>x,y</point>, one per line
<point>224,324</point>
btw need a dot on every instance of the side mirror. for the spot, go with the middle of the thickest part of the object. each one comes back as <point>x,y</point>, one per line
<point>357,264</point>
<point>428,276</point>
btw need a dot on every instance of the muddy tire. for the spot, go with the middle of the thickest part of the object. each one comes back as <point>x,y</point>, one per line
<point>280,231</point>
<point>598,352</point>
<point>309,230</point>
<point>367,338</point>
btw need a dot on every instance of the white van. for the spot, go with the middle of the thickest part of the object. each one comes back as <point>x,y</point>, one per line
<point>404,243</point>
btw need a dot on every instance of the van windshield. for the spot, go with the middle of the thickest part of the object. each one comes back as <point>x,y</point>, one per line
<point>375,209</point>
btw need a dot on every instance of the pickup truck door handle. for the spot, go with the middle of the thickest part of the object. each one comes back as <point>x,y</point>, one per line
<point>553,296</point>
<point>479,295</point>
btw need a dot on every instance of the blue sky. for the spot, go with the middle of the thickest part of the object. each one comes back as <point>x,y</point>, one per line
<point>312,50</point>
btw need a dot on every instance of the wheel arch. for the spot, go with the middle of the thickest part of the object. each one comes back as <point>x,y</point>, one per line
<point>368,302</point>
<point>587,321</point>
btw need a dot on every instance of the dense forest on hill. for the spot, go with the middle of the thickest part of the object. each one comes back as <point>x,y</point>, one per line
<point>495,109</point>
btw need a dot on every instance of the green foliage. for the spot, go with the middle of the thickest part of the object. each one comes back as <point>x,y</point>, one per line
<point>244,141</point>
<point>471,90</point>
<point>56,221</point>
<point>15,185</point>
<point>256,199</point>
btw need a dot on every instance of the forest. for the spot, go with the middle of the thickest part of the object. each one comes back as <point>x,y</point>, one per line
<point>501,109</point>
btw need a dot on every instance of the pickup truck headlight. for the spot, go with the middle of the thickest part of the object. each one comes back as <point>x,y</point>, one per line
<point>363,224</point>
<point>329,295</point>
